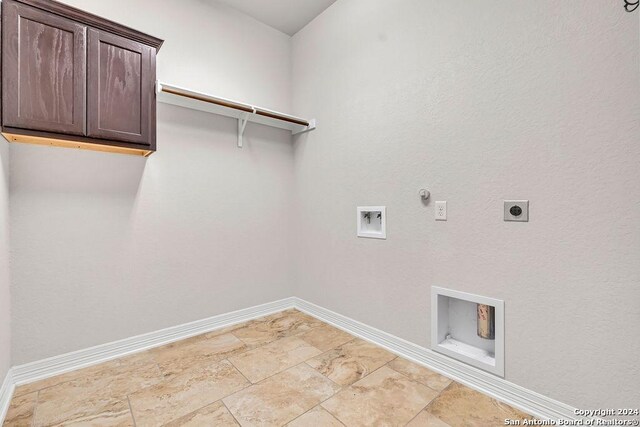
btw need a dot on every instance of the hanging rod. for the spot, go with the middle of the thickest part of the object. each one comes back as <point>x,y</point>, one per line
<point>209,99</point>
<point>280,116</point>
<point>239,110</point>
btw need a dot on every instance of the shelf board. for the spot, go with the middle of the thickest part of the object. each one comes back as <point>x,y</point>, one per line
<point>187,98</point>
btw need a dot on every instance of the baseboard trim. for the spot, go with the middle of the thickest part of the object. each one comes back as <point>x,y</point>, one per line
<point>35,371</point>
<point>6,392</point>
<point>526,400</point>
<point>519,397</point>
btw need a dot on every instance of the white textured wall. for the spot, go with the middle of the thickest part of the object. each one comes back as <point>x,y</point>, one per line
<point>109,246</point>
<point>5,300</point>
<point>480,101</point>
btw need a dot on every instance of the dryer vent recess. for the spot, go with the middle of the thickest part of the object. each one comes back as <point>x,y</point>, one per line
<point>486,315</point>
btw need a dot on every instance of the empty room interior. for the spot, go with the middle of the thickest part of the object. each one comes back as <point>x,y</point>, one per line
<point>419,213</point>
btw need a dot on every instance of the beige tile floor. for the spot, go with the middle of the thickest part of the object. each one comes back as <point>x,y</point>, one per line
<point>284,369</point>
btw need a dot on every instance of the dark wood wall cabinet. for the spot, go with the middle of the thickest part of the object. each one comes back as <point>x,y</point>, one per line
<point>73,79</point>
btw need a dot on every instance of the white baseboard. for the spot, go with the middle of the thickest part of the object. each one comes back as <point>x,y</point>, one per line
<point>6,391</point>
<point>57,365</point>
<point>519,397</point>
<point>498,388</point>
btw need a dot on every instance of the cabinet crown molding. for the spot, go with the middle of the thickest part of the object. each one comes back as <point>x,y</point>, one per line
<point>94,21</point>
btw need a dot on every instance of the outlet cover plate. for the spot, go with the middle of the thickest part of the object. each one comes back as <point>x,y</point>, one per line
<point>523,204</point>
<point>441,211</point>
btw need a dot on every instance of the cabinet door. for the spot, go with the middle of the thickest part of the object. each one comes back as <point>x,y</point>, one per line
<point>121,78</point>
<point>43,70</point>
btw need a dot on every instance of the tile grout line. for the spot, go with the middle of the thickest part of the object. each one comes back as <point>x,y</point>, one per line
<point>425,408</point>
<point>297,364</point>
<point>330,414</point>
<point>43,388</point>
<point>162,377</point>
<point>325,352</point>
<point>304,362</point>
<point>293,366</point>
<point>351,385</point>
<point>35,408</point>
<point>320,404</point>
<point>80,370</point>
<point>249,383</point>
<point>269,342</point>
<point>227,408</point>
<point>312,357</point>
<point>341,345</point>
<point>257,320</point>
<point>205,405</point>
<point>243,376</point>
<point>342,388</point>
<point>430,402</point>
<point>138,353</point>
<point>360,379</point>
<point>133,417</point>
<point>410,379</point>
<point>443,390</point>
<point>416,381</point>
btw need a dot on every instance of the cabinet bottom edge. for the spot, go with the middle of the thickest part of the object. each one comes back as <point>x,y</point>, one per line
<point>53,142</point>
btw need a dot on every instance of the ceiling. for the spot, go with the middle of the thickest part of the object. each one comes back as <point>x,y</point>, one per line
<point>288,16</point>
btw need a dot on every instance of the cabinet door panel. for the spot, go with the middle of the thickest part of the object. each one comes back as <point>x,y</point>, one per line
<point>44,70</point>
<point>121,92</point>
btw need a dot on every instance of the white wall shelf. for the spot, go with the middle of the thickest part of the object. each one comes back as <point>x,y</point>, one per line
<point>175,95</point>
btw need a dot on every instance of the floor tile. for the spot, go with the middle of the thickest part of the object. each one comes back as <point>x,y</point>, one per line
<point>176,357</point>
<point>215,414</point>
<point>295,366</point>
<point>272,358</point>
<point>458,405</point>
<point>21,410</point>
<point>315,418</point>
<point>118,366</point>
<point>184,393</point>
<point>419,373</point>
<point>425,419</point>
<point>384,397</point>
<point>279,325</point>
<point>21,390</point>
<point>98,396</point>
<point>326,337</point>
<point>281,398</point>
<point>350,362</point>
<point>74,410</point>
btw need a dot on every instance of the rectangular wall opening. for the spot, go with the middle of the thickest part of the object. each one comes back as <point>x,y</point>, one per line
<point>455,332</point>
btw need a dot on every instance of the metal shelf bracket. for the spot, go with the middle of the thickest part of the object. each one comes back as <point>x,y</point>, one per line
<point>240,111</point>
<point>242,123</point>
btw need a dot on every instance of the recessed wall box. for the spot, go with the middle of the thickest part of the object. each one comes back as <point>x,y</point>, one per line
<point>371,222</point>
<point>455,331</point>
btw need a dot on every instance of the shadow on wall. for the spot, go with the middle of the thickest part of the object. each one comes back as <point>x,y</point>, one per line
<point>69,171</point>
<point>178,125</point>
<point>66,195</point>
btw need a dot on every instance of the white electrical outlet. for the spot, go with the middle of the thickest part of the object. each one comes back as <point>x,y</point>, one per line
<point>441,211</point>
